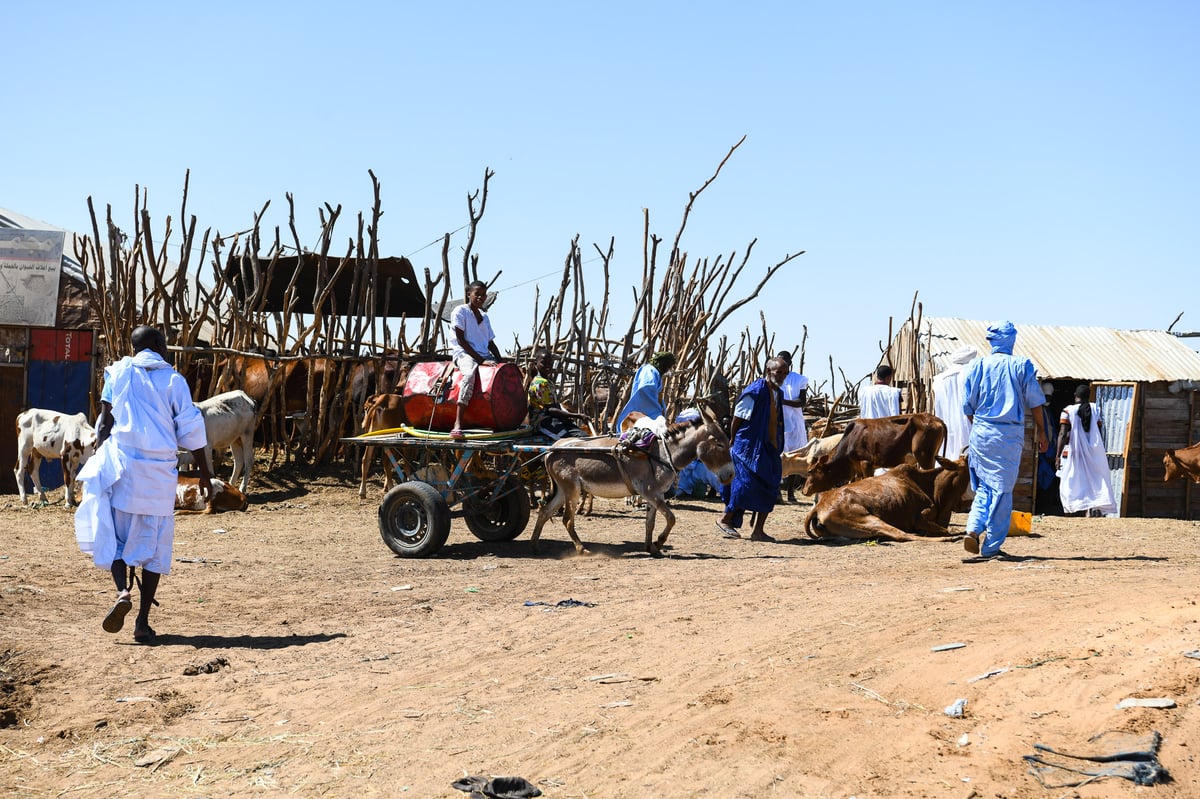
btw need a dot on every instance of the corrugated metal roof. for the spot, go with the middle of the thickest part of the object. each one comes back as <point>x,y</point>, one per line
<point>1084,353</point>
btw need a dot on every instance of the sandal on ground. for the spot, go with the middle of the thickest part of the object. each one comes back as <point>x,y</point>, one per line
<point>146,636</point>
<point>971,543</point>
<point>115,619</point>
<point>727,531</point>
<point>762,537</point>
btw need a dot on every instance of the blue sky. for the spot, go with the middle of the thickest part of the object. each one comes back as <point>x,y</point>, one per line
<point>1025,160</point>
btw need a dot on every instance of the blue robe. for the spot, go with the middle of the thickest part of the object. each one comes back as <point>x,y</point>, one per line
<point>997,390</point>
<point>758,468</point>
<point>644,395</point>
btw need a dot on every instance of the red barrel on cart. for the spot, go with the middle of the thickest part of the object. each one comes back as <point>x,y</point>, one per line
<point>431,394</point>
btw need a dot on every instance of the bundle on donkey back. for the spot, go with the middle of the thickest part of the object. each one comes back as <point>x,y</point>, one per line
<point>607,468</point>
<point>870,444</point>
<point>906,499</point>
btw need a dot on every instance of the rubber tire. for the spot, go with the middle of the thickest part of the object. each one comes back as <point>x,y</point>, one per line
<point>414,520</point>
<point>502,520</point>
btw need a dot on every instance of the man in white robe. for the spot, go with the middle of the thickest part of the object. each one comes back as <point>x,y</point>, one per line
<point>126,518</point>
<point>795,434</point>
<point>881,398</point>
<point>947,401</point>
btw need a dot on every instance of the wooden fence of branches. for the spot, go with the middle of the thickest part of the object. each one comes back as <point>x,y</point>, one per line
<point>208,294</point>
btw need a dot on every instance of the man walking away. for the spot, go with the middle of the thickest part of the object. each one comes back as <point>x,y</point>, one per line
<point>997,392</point>
<point>127,516</point>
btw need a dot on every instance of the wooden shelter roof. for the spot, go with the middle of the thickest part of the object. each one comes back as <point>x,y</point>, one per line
<point>397,292</point>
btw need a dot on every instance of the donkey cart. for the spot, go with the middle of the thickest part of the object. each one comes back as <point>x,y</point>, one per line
<point>489,477</point>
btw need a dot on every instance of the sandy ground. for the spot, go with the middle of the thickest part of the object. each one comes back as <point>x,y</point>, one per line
<point>330,667</point>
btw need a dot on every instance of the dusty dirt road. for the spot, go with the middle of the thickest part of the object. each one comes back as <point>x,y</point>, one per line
<point>329,667</point>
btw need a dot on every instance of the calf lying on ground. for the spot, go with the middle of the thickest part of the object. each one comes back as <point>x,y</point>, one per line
<point>1182,463</point>
<point>224,497</point>
<point>52,435</point>
<point>906,499</point>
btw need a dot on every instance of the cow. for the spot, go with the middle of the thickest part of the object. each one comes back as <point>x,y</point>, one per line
<point>870,444</point>
<point>52,435</point>
<point>253,375</point>
<point>906,499</point>
<point>224,497</point>
<point>229,422</point>
<point>380,412</point>
<point>1182,463</point>
<point>799,461</point>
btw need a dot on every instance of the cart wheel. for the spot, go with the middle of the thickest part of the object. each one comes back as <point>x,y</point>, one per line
<point>414,520</point>
<point>500,519</point>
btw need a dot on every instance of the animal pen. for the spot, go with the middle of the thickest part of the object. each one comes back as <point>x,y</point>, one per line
<point>332,325</point>
<point>1146,382</point>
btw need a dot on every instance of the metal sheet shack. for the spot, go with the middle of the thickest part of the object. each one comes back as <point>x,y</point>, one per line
<point>46,332</point>
<point>1147,383</point>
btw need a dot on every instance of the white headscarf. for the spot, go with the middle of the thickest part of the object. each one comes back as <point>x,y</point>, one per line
<point>964,354</point>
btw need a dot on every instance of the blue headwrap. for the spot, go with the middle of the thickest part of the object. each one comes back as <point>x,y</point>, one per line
<point>1002,337</point>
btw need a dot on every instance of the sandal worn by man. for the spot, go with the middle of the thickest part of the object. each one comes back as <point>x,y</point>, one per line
<point>727,531</point>
<point>456,433</point>
<point>145,636</point>
<point>971,543</point>
<point>115,619</point>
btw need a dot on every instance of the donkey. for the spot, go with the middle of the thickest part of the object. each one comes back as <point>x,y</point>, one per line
<point>602,466</point>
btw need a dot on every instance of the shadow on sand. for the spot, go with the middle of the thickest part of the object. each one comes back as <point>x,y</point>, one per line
<point>243,641</point>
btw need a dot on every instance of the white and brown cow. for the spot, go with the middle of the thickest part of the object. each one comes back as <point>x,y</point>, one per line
<point>1182,464</point>
<point>799,461</point>
<point>52,435</point>
<point>224,497</point>
<point>229,422</point>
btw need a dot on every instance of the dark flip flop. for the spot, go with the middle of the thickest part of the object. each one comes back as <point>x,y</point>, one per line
<point>727,531</point>
<point>147,637</point>
<point>971,543</point>
<point>115,619</point>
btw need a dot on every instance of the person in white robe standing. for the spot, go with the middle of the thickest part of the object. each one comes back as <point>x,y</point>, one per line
<point>880,398</point>
<point>126,518</point>
<point>947,401</point>
<point>795,434</point>
<point>1084,477</point>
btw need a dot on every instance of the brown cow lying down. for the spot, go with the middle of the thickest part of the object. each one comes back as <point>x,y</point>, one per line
<point>224,497</point>
<point>906,499</point>
<point>870,444</point>
<point>1182,463</point>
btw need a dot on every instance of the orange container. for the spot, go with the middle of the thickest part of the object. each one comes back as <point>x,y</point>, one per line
<point>432,389</point>
<point>1021,523</point>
